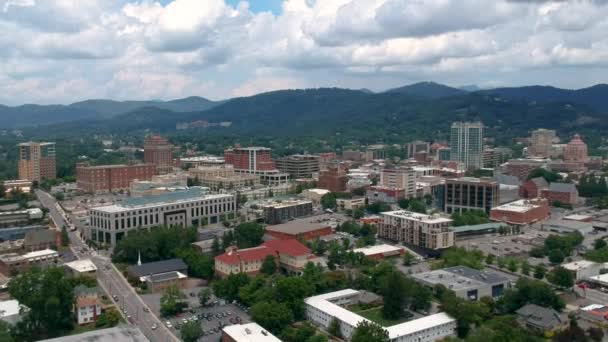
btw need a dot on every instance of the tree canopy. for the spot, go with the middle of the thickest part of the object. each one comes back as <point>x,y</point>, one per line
<point>369,332</point>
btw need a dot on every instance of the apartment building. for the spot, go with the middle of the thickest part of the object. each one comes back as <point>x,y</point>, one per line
<point>402,178</point>
<point>109,178</point>
<point>191,207</point>
<point>466,144</point>
<point>223,177</point>
<point>427,231</point>
<point>467,193</point>
<point>541,143</point>
<point>279,212</point>
<point>37,161</point>
<point>323,309</point>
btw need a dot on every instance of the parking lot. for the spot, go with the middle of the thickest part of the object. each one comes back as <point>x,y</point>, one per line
<point>212,317</point>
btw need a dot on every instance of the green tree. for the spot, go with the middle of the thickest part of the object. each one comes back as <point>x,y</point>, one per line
<point>216,249</point>
<point>417,206</point>
<point>269,265</point>
<point>191,331</point>
<point>529,291</point>
<point>539,271</point>
<point>49,296</point>
<point>334,328</point>
<point>272,315</point>
<point>490,258</point>
<point>512,265</point>
<point>393,294</point>
<point>561,277</point>
<point>369,332</point>
<point>170,302</point>
<point>556,256</point>
<point>292,291</point>
<point>549,176</point>
<point>404,203</point>
<point>248,234</point>
<point>204,295</point>
<point>65,238</point>
<point>525,267</point>
<point>109,318</point>
<point>328,201</point>
<point>358,213</point>
<point>199,265</point>
<point>302,333</point>
<point>408,259</point>
<point>228,288</point>
<point>317,338</point>
<point>5,334</point>
<point>599,243</point>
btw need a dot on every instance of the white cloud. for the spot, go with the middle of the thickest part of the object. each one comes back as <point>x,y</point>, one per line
<point>65,50</point>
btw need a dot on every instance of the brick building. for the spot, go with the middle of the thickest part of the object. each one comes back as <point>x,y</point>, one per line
<point>290,255</point>
<point>37,161</point>
<point>521,212</point>
<point>532,188</point>
<point>564,193</point>
<point>159,152</point>
<point>108,178</point>
<point>250,159</point>
<point>576,150</point>
<point>522,167</point>
<point>333,179</point>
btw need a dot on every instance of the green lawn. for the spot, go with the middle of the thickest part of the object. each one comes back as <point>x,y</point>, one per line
<point>375,315</point>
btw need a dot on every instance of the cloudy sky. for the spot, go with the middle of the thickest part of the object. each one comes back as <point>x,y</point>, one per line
<point>61,51</point>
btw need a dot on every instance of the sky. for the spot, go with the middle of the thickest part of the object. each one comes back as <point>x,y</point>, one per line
<point>63,51</point>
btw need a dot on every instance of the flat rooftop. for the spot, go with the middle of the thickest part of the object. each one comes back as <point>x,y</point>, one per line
<point>460,278</point>
<point>285,204</point>
<point>190,194</point>
<point>324,303</point>
<point>121,333</point>
<point>299,226</point>
<point>250,332</point>
<point>82,265</point>
<point>520,206</point>
<point>378,249</point>
<point>410,215</point>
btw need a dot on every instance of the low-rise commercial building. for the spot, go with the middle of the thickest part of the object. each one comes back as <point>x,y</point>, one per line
<point>583,269</point>
<point>201,161</point>
<point>81,268</point>
<point>108,178</point>
<point>192,207</point>
<point>323,309</point>
<point>279,212</point>
<point>466,282</point>
<point>521,212</point>
<point>567,226</point>
<point>11,311</point>
<point>13,262</point>
<point>120,333</point>
<point>36,240</point>
<point>306,229</point>
<point>314,195</point>
<point>343,204</point>
<point>223,177</point>
<point>380,251</point>
<point>291,255</point>
<point>250,332</point>
<point>22,185</point>
<point>564,193</point>
<point>426,231</point>
<point>9,218</point>
<point>159,184</point>
<point>384,194</point>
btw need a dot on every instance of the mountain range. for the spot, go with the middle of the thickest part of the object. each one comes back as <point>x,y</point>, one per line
<point>421,110</point>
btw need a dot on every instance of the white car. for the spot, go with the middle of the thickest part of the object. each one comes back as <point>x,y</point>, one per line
<point>154,326</point>
<point>168,324</point>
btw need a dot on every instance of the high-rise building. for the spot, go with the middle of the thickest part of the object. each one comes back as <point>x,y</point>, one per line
<point>37,161</point>
<point>468,193</point>
<point>158,151</point>
<point>299,165</point>
<point>401,178</point>
<point>576,150</point>
<point>541,143</point>
<point>257,161</point>
<point>467,144</point>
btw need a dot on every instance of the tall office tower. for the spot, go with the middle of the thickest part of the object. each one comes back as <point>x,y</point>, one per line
<point>541,143</point>
<point>576,150</point>
<point>37,161</point>
<point>158,151</point>
<point>467,144</point>
<point>299,165</point>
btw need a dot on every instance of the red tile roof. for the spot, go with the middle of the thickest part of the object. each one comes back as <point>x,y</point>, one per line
<point>290,247</point>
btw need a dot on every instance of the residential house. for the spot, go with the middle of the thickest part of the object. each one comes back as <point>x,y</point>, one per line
<point>540,319</point>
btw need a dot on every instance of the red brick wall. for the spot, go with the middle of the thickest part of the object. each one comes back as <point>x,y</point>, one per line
<point>562,197</point>
<point>528,217</point>
<point>529,190</point>
<point>111,178</point>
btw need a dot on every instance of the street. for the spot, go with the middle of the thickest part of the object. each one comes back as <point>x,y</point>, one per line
<point>111,280</point>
